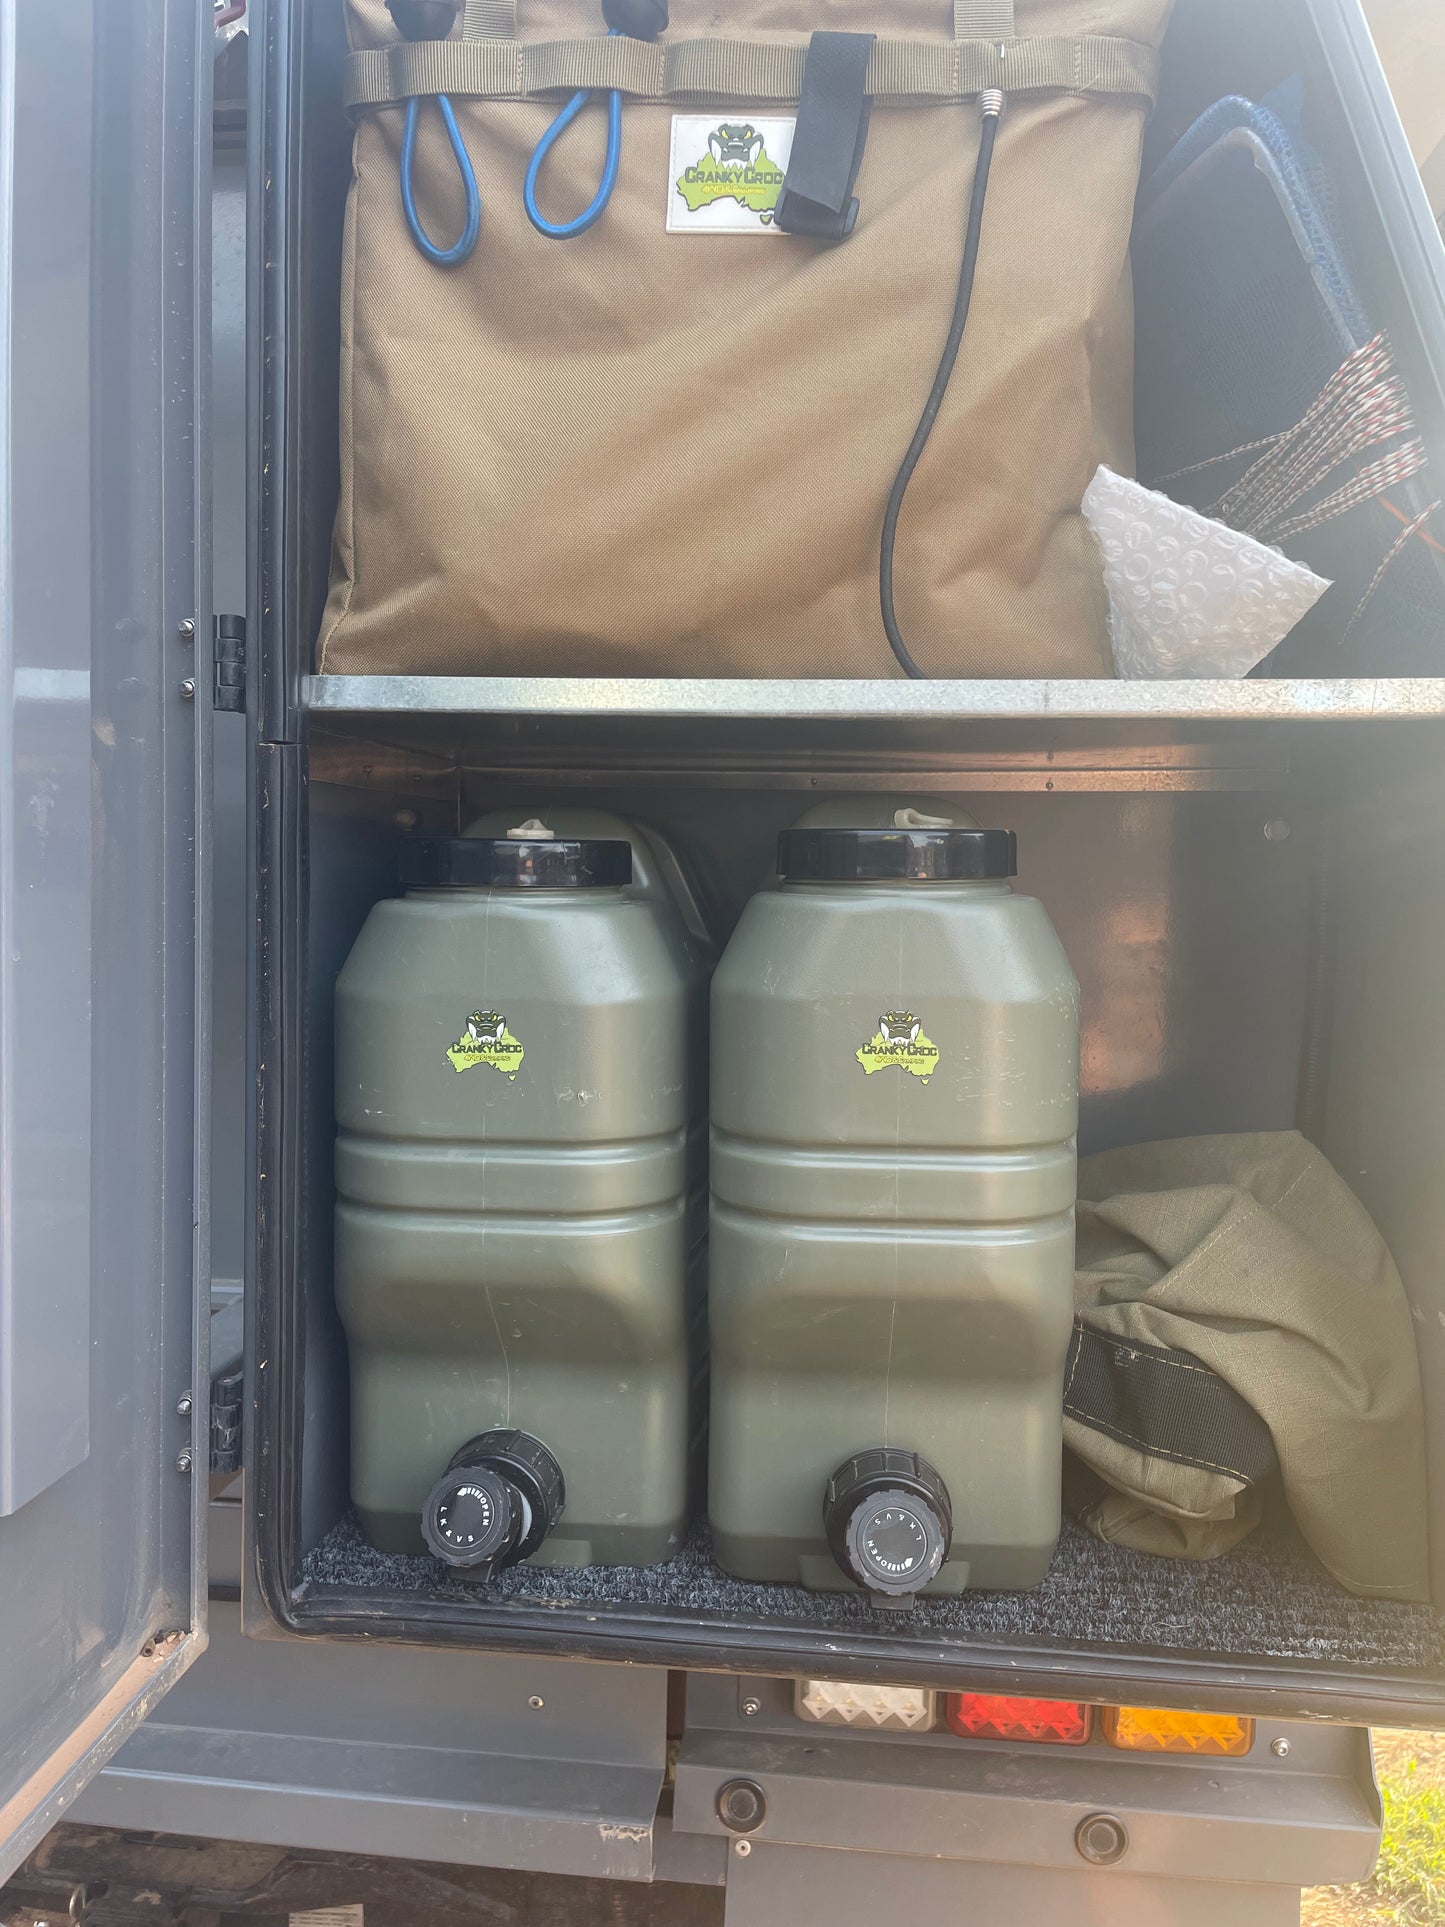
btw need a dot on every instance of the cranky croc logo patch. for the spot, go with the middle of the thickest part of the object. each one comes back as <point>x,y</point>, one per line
<point>726,175</point>
<point>486,1040</point>
<point>899,1043</point>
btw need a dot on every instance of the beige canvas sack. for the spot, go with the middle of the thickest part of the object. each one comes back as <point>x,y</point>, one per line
<point>1249,1256</point>
<point>649,452</point>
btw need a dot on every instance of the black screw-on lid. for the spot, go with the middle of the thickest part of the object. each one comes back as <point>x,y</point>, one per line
<point>889,1521</point>
<point>494,1505</point>
<point>826,855</point>
<point>515,863</point>
<point>472,1519</point>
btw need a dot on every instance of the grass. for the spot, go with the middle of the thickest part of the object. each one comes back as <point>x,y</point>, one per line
<point>1408,1885</point>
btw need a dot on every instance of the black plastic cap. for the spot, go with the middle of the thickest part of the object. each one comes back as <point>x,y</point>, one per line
<point>496,1502</point>
<point>515,863</point>
<point>889,1521</point>
<point>819,855</point>
<point>638,19</point>
<point>472,1519</point>
<point>532,1470</point>
<point>424,19</point>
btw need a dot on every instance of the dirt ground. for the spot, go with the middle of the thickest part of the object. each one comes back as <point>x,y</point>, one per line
<point>1408,1889</point>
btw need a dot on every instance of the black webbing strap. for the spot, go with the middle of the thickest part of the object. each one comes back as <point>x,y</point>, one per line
<point>816,198</point>
<point>1167,1403</point>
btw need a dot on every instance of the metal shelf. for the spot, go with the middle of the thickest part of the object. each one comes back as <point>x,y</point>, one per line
<point>1334,700</point>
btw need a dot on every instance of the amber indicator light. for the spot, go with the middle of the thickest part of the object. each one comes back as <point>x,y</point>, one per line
<point>1155,1729</point>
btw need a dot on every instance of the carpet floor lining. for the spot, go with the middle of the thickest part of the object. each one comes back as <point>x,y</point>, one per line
<point>1269,1598</point>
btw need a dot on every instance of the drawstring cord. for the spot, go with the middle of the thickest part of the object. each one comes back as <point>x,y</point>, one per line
<point>459,250</point>
<point>564,230</point>
<point>421,20</point>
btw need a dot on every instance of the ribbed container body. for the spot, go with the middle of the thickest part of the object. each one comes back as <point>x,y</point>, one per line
<point>511,1224</point>
<point>894,1103</point>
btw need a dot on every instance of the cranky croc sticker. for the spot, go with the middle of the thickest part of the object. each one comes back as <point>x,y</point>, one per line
<point>486,1040</point>
<point>899,1044</point>
<point>725,175</point>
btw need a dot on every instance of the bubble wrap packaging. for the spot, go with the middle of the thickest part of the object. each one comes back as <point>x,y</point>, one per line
<point>1188,596</point>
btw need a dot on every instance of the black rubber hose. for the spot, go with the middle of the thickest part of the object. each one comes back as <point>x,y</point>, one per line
<point>991,104</point>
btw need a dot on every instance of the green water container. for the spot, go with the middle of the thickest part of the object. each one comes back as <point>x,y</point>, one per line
<point>895,1041</point>
<point>512,1227</point>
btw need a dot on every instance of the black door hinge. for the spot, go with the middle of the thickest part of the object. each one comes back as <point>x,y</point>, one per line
<point>226,1395</point>
<point>229,690</point>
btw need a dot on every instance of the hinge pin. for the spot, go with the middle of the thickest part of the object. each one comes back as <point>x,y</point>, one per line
<point>230,663</point>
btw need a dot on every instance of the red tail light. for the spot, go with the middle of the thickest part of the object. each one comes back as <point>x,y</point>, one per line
<point>993,1716</point>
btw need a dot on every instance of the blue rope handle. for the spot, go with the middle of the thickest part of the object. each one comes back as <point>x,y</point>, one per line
<point>459,250</point>
<point>564,230</point>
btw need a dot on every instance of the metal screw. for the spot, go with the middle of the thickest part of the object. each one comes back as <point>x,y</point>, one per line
<point>1276,830</point>
<point>742,1848</point>
<point>186,629</point>
<point>1280,1748</point>
<point>183,1460</point>
<point>188,689</point>
<point>751,1707</point>
<point>536,1702</point>
<point>183,1405</point>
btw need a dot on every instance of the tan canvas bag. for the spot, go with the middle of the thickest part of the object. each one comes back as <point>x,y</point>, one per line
<point>644,452</point>
<point>1248,1257</point>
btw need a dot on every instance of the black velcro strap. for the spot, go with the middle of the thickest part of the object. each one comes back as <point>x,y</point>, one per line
<point>1167,1403</point>
<point>816,198</point>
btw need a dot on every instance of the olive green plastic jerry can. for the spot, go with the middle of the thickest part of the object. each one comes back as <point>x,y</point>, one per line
<point>512,1226</point>
<point>894,1102</point>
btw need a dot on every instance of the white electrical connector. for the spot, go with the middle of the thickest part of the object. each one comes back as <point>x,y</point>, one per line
<point>990,103</point>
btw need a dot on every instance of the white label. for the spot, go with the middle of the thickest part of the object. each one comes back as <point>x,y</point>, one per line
<point>329,1917</point>
<point>725,172</point>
